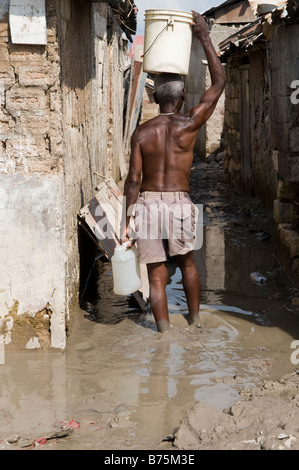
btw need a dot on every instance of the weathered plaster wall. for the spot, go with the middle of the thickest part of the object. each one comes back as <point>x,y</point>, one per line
<point>231,130</point>
<point>30,117</point>
<point>247,131</point>
<point>76,55</point>
<point>32,260</point>
<point>32,283</point>
<point>93,55</point>
<point>197,82</point>
<point>60,134</point>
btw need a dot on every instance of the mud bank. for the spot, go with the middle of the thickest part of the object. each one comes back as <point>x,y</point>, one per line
<point>120,385</point>
<point>266,418</point>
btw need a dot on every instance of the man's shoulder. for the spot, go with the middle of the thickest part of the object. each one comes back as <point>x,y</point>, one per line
<point>150,123</point>
<point>146,126</point>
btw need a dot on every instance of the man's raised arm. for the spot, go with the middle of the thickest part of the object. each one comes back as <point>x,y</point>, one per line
<point>201,113</point>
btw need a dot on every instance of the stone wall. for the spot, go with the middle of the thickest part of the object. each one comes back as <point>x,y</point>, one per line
<point>31,123</point>
<point>264,165</point>
<point>60,134</point>
<point>261,132</point>
<point>231,128</point>
<point>247,137</point>
<point>93,57</point>
<point>285,135</point>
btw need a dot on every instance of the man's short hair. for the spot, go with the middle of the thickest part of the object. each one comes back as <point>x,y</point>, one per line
<point>168,87</point>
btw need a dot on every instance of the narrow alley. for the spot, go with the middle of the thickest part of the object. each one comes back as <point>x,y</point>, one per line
<point>82,368</point>
<point>122,385</point>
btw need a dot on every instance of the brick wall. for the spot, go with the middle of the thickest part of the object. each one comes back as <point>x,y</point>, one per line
<point>61,129</point>
<point>30,116</point>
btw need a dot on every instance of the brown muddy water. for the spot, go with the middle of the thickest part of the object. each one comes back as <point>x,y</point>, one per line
<point>122,385</point>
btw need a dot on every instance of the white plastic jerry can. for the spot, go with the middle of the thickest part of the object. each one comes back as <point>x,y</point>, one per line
<point>125,270</point>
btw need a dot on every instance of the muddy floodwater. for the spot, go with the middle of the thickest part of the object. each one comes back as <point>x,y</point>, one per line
<point>122,385</point>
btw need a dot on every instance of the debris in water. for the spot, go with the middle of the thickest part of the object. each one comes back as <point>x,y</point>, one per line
<point>258,278</point>
<point>40,442</point>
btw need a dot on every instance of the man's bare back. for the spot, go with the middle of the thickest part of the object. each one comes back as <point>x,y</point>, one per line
<point>162,148</point>
<point>166,147</point>
<point>160,162</point>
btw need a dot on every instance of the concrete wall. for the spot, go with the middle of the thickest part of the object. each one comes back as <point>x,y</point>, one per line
<point>60,133</point>
<point>285,113</point>
<point>32,279</point>
<point>93,55</point>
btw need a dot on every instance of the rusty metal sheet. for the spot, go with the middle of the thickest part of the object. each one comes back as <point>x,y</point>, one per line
<point>238,13</point>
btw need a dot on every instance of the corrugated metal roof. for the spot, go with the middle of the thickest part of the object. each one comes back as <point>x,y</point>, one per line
<point>243,38</point>
<point>256,31</point>
<point>228,3</point>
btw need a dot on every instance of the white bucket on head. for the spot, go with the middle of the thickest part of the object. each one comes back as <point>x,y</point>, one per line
<point>167,41</point>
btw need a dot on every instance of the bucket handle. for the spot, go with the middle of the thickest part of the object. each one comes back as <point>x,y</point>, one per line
<point>170,22</point>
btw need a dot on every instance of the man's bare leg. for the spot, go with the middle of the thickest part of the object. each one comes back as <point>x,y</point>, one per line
<point>191,284</point>
<point>158,278</point>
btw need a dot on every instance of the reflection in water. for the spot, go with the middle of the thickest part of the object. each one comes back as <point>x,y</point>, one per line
<point>119,358</point>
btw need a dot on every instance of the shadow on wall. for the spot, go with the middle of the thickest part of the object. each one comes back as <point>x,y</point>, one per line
<point>76,44</point>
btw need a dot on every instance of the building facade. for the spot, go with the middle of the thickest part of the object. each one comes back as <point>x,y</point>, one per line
<point>261,125</point>
<point>61,134</point>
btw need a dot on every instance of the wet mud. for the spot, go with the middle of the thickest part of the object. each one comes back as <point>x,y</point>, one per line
<point>121,385</point>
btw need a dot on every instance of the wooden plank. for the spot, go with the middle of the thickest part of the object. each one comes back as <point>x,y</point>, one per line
<point>138,89</point>
<point>137,86</point>
<point>103,215</point>
<point>247,177</point>
<point>101,219</point>
<point>27,20</point>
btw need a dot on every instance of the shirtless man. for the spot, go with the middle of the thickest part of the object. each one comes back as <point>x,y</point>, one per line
<point>160,165</point>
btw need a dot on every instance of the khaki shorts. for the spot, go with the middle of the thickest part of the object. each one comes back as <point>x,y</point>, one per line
<point>165,225</point>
